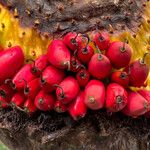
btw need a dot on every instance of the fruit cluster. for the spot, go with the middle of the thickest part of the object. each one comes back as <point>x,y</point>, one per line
<point>79,71</point>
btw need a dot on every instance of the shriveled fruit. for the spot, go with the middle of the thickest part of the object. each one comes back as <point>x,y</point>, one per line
<point>94,94</point>
<point>116,97</point>
<point>77,109</point>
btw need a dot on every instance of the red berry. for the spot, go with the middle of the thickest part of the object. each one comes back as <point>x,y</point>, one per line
<point>83,77</point>
<point>75,64</point>
<point>72,40</point>
<point>67,90</point>
<point>137,105</point>
<point>119,54</point>
<point>102,40</point>
<point>120,77</point>
<point>29,106</point>
<point>11,61</point>
<point>51,76</point>
<point>77,109</point>
<point>58,54</point>
<point>99,66</point>
<point>116,97</point>
<point>32,88</point>
<point>44,101</point>
<point>60,107</point>
<point>4,101</point>
<point>94,94</point>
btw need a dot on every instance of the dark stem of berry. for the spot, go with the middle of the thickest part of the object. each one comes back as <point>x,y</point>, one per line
<point>62,94</point>
<point>144,57</point>
<point>82,75</point>
<point>34,69</point>
<point>26,89</point>
<point>119,99</point>
<point>67,63</point>
<point>3,93</point>
<point>40,101</point>
<point>101,38</point>
<point>73,40</point>
<point>58,109</point>
<point>100,57</point>
<point>80,66</point>
<point>74,63</point>
<point>99,51</point>
<point>91,99</point>
<point>85,50</point>
<point>12,85</point>
<point>123,75</point>
<point>123,48</point>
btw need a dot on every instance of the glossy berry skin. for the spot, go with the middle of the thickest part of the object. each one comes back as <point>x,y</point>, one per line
<point>120,77</point>
<point>18,99</point>
<point>50,76</point>
<point>85,53</point>
<point>75,64</point>
<point>60,107</point>
<point>119,54</point>
<point>58,54</point>
<point>71,42</point>
<point>44,101</point>
<point>77,109</point>
<point>137,105</point>
<point>146,95</point>
<point>68,90</point>
<point>83,77</point>
<point>32,88</point>
<point>11,60</point>
<point>94,94</point>
<point>138,73</point>
<point>39,65</point>
<point>116,97</point>
<point>102,40</point>
<point>99,66</point>
<point>29,106</point>
<point>24,74</point>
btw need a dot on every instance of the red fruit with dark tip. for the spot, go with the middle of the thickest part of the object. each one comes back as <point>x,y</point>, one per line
<point>119,53</point>
<point>99,66</point>
<point>75,64</point>
<point>18,99</point>
<point>58,54</point>
<point>120,77</point>
<point>67,90</point>
<point>116,97</point>
<point>29,106</point>
<point>137,105</point>
<point>32,88</point>
<point>51,76</point>
<point>11,61</point>
<point>72,40</point>
<point>24,74</point>
<point>39,65</point>
<point>44,101</point>
<point>146,95</point>
<point>77,109</point>
<point>94,94</point>
<point>83,77</point>
<point>102,40</point>
<point>139,71</point>
<point>4,101</point>
<point>60,107</point>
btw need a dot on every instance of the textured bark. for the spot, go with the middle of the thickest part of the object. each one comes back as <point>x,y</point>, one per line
<point>60,16</point>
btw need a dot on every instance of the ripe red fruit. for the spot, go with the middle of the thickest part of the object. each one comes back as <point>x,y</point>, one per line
<point>24,74</point>
<point>116,97</point>
<point>146,95</point>
<point>94,94</point>
<point>99,66</point>
<point>139,71</point>
<point>77,109</point>
<point>32,88</point>
<point>137,105</point>
<point>119,53</point>
<point>60,107</point>
<point>85,52</point>
<point>75,64</point>
<point>102,40</point>
<point>72,40</point>
<point>39,65</point>
<point>120,77</point>
<point>44,101</point>
<point>11,61</point>
<point>51,76</point>
<point>83,77</point>
<point>58,54</point>
<point>29,106</point>
<point>18,99</point>
<point>67,90</point>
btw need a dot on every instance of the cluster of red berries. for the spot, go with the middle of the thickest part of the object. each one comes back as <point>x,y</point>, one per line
<point>78,72</point>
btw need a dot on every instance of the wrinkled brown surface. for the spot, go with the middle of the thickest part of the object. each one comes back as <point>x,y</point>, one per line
<point>60,16</point>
